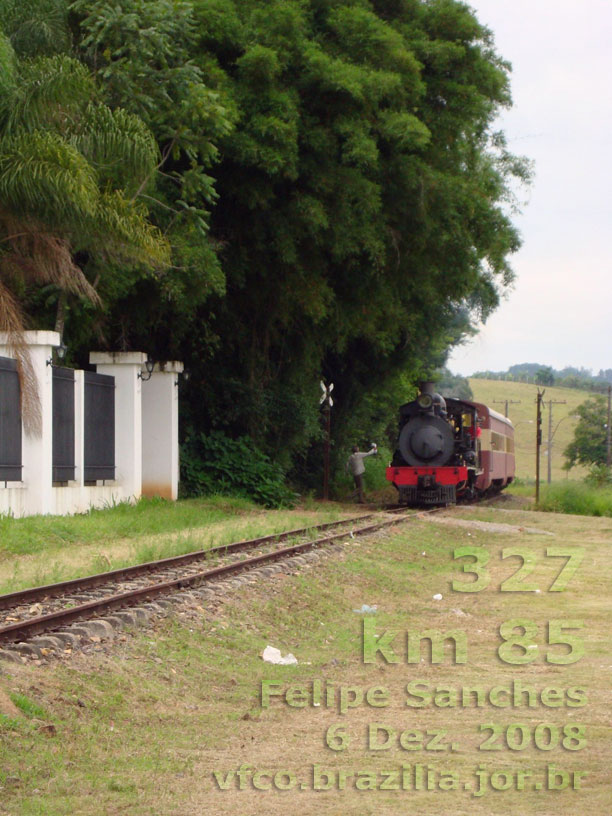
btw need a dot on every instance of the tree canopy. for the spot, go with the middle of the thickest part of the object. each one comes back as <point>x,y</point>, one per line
<point>453,385</point>
<point>360,199</point>
<point>588,447</point>
<point>322,175</point>
<point>69,165</point>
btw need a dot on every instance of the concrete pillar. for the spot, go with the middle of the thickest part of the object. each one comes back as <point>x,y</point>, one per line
<point>160,451</point>
<point>125,368</point>
<point>37,444</point>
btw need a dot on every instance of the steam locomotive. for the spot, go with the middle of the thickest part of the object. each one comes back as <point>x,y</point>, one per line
<point>450,450</point>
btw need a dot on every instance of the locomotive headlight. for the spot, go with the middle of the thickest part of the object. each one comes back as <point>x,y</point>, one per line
<point>424,400</point>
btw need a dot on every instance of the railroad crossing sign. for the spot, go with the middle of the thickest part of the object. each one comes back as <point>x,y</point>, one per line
<point>327,397</point>
<point>327,402</point>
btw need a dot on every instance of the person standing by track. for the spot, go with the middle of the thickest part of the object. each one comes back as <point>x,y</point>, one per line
<point>355,466</point>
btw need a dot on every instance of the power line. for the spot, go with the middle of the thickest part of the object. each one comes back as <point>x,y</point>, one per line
<point>550,434</point>
<point>506,403</point>
<point>608,439</point>
<point>538,443</point>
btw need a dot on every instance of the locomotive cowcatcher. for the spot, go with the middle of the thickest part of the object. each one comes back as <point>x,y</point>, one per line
<point>450,450</point>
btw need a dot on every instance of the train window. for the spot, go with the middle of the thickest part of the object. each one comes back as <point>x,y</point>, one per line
<point>497,442</point>
<point>509,445</point>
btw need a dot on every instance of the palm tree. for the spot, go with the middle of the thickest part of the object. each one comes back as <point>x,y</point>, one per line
<point>70,168</point>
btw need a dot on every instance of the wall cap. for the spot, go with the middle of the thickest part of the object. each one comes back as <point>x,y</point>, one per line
<point>32,338</point>
<point>138,358</point>
<point>168,367</point>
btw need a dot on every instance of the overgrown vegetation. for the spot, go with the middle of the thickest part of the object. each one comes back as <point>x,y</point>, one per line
<point>44,549</point>
<point>215,463</point>
<point>589,445</point>
<point>599,476</point>
<point>273,192</point>
<point>590,497</point>
<point>576,498</point>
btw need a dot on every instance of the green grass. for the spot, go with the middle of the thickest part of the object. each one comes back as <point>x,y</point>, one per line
<point>523,415</point>
<point>27,706</point>
<point>47,549</point>
<point>32,712</point>
<point>124,520</point>
<point>140,730</point>
<point>576,498</point>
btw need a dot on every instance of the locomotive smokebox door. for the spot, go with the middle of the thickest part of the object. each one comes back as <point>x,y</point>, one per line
<point>426,440</point>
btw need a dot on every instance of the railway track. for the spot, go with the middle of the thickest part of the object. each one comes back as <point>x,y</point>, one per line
<point>47,609</point>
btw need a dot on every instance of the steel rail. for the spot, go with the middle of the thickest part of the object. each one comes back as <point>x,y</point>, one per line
<point>46,623</point>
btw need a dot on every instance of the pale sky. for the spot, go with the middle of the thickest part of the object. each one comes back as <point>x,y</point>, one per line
<point>559,311</point>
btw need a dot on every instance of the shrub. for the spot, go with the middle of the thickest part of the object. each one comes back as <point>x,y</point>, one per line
<point>214,463</point>
<point>577,498</point>
<point>374,480</point>
<point>599,476</point>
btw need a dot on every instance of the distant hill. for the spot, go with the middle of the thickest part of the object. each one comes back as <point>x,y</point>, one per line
<point>522,411</point>
<point>537,373</point>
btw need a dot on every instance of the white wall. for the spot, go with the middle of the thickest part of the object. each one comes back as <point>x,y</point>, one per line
<point>34,493</point>
<point>152,449</point>
<point>160,453</point>
<point>125,367</point>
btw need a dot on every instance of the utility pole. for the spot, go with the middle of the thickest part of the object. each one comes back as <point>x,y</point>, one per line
<point>608,438</point>
<point>550,434</point>
<point>506,403</point>
<point>538,443</point>
<point>327,402</point>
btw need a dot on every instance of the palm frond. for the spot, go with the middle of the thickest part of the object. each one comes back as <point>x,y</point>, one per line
<point>125,232</point>
<point>11,322</point>
<point>41,257</point>
<point>7,70</point>
<point>35,26</point>
<point>118,144</point>
<point>51,93</point>
<point>43,177</point>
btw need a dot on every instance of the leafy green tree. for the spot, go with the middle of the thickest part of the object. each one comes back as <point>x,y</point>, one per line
<point>545,376</point>
<point>360,203</point>
<point>328,179</point>
<point>599,476</point>
<point>69,166</point>
<point>588,446</point>
<point>453,385</point>
<point>142,54</point>
<point>36,27</point>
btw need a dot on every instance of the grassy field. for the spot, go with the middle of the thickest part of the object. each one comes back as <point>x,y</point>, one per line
<point>523,415</point>
<point>44,549</point>
<point>575,498</point>
<point>143,727</point>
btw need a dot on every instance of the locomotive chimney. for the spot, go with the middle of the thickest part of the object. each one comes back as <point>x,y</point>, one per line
<point>427,388</point>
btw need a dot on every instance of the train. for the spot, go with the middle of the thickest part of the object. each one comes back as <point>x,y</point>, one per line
<point>450,450</point>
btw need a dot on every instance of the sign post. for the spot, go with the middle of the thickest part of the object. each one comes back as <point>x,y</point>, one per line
<point>327,402</point>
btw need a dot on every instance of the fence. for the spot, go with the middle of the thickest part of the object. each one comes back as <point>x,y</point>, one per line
<point>10,422</point>
<point>106,436</point>
<point>99,427</point>
<point>63,425</point>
